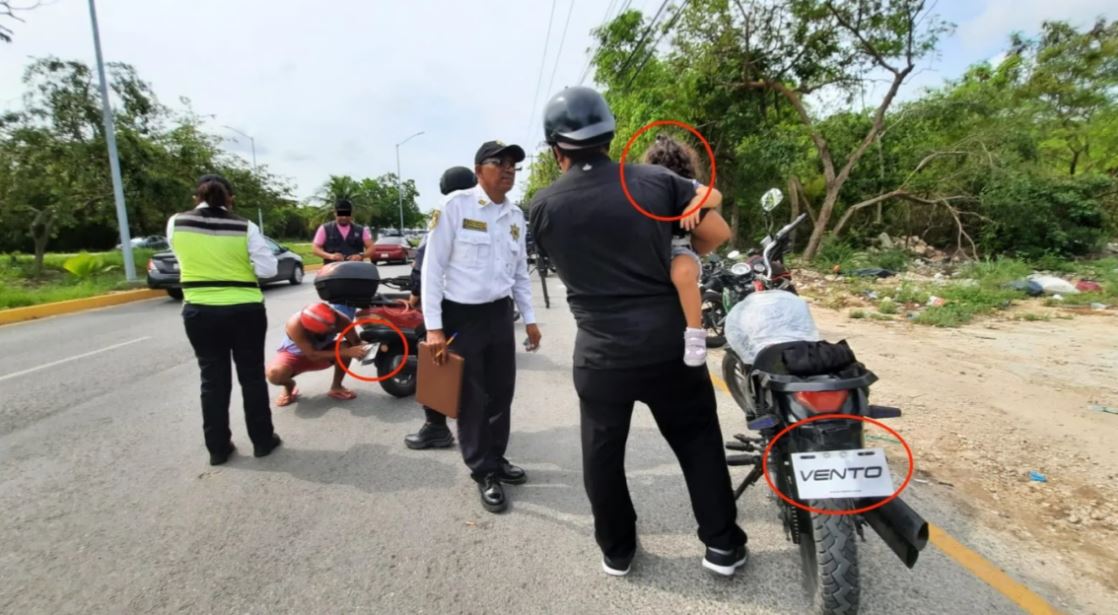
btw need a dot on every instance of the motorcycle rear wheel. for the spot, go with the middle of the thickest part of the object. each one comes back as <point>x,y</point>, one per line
<point>829,558</point>
<point>735,373</point>
<point>401,385</point>
<point>714,316</point>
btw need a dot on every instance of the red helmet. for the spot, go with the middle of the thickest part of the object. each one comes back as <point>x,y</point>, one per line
<point>319,318</point>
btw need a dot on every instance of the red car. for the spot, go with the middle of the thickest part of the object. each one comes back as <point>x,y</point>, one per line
<point>392,250</point>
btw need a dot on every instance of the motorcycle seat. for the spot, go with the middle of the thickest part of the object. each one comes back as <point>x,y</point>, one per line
<point>806,358</point>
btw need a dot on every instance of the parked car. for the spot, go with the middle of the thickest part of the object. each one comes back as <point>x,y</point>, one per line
<point>392,249</point>
<point>152,242</point>
<point>163,269</point>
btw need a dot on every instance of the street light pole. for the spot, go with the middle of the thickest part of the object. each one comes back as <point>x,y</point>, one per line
<point>114,160</point>
<point>399,181</point>
<point>252,144</point>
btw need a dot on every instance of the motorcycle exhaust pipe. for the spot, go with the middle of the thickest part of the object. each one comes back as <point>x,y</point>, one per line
<point>902,528</point>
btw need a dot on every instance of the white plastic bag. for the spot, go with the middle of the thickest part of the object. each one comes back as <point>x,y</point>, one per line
<point>1053,285</point>
<point>766,318</point>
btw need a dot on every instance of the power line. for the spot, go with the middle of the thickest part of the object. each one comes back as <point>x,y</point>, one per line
<point>597,47</point>
<point>543,64</point>
<point>644,37</point>
<point>562,40</point>
<point>652,48</point>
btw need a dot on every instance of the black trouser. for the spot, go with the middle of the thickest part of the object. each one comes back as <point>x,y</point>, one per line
<point>682,402</point>
<point>435,417</point>
<point>216,332</point>
<point>485,339</point>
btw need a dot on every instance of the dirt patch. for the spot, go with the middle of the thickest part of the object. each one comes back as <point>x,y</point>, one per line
<point>987,404</point>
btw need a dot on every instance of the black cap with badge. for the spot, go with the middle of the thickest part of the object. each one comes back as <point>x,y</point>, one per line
<point>495,149</point>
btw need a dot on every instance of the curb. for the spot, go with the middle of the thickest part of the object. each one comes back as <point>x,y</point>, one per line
<point>57,308</point>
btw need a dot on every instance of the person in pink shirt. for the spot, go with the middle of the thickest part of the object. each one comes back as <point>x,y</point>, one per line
<point>342,240</point>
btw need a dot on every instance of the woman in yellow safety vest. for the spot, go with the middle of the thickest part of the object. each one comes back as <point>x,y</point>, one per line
<point>221,256</point>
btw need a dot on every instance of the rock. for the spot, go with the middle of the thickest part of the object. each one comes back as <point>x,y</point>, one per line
<point>1074,519</point>
<point>885,241</point>
<point>1098,515</point>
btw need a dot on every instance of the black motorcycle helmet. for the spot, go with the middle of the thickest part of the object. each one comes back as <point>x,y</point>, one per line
<point>457,178</point>
<point>578,118</point>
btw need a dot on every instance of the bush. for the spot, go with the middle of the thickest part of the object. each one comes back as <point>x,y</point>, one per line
<point>835,253</point>
<point>1034,216</point>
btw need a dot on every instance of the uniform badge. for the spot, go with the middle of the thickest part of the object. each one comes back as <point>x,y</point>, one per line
<point>434,220</point>
<point>515,230</point>
<point>474,225</point>
<point>482,202</point>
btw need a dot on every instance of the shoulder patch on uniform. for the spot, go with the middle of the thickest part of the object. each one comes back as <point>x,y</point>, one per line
<point>435,213</point>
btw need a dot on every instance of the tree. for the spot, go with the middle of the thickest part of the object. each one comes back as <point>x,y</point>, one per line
<point>9,10</point>
<point>376,201</point>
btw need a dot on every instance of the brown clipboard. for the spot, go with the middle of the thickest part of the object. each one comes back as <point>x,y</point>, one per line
<point>439,387</point>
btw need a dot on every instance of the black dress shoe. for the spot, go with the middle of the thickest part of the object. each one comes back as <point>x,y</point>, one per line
<point>430,436</point>
<point>511,475</point>
<point>265,450</point>
<point>217,459</point>
<point>492,494</point>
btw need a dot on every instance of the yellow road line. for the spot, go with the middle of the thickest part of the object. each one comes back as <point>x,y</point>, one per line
<point>720,383</point>
<point>974,563</point>
<point>993,576</point>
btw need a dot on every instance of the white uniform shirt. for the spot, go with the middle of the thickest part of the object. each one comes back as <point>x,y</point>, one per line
<point>476,254</point>
<point>264,262</point>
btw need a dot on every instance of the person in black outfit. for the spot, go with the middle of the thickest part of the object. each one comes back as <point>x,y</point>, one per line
<point>434,433</point>
<point>616,265</point>
<point>342,240</point>
<point>221,256</point>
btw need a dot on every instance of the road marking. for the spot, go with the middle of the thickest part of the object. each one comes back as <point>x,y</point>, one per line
<point>720,383</point>
<point>73,358</point>
<point>989,573</point>
<point>974,563</point>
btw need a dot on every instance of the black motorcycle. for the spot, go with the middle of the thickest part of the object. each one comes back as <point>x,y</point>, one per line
<point>812,385</point>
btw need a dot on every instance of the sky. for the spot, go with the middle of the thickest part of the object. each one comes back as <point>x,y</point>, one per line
<point>331,88</point>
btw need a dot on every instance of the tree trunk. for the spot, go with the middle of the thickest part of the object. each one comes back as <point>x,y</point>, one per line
<point>794,201</point>
<point>40,235</point>
<point>825,211</point>
<point>735,220</point>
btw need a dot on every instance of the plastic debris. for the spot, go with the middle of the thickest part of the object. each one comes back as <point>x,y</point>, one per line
<point>871,295</point>
<point>1037,477</point>
<point>1102,408</point>
<point>1053,285</point>
<point>1088,286</point>
<point>1057,297</point>
<point>1031,288</point>
<point>935,301</point>
<point>872,272</point>
<point>1098,307</point>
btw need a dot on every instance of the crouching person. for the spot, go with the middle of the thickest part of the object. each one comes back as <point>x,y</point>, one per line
<point>308,346</point>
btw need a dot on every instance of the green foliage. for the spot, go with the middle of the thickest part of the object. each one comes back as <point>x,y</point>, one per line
<point>888,306</point>
<point>1035,215</point>
<point>858,314</point>
<point>836,254</point>
<point>86,265</point>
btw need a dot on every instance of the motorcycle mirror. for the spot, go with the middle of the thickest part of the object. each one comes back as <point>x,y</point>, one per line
<point>771,199</point>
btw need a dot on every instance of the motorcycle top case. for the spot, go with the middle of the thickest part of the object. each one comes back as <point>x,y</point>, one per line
<point>766,318</point>
<point>349,283</point>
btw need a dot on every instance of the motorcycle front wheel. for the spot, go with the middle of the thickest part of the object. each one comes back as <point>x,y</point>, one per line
<point>714,316</point>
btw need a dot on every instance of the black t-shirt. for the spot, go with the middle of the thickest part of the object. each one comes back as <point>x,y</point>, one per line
<point>615,261</point>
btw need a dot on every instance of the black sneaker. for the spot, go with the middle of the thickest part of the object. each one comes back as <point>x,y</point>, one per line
<point>430,436</point>
<point>265,450</point>
<point>726,564</point>
<point>217,459</point>
<point>617,566</point>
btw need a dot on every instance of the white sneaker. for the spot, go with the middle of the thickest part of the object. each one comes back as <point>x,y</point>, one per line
<point>695,347</point>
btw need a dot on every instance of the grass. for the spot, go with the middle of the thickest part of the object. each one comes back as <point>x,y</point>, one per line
<point>858,314</point>
<point>18,288</point>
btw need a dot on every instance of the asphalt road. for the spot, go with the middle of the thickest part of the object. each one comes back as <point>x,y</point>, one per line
<point>109,505</point>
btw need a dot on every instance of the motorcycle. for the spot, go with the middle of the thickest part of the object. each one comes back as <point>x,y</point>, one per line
<point>388,348</point>
<point>797,392</point>
<point>356,284</point>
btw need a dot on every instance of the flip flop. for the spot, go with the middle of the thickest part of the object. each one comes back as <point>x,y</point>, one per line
<point>343,395</point>
<point>286,399</point>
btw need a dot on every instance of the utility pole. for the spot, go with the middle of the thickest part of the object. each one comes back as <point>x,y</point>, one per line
<point>114,160</point>
<point>399,181</point>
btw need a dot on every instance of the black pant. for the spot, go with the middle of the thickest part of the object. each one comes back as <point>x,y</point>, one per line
<point>216,332</point>
<point>434,417</point>
<point>485,339</point>
<point>682,402</point>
